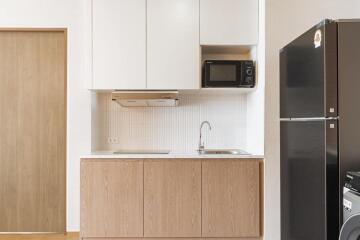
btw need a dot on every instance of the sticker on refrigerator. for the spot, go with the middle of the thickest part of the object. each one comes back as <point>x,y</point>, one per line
<point>347,205</point>
<point>317,38</point>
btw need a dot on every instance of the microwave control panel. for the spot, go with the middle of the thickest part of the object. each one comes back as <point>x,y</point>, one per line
<point>248,74</point>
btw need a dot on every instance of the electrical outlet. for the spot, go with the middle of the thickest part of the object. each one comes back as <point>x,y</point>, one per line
<point>113,140</point>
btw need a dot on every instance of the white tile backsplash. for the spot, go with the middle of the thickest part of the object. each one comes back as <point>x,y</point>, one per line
<point>172,128</point>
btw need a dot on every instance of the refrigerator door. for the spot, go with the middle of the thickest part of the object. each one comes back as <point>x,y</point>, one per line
<point>308,74</point>
<point>349,97</point>
<point>309,180</point>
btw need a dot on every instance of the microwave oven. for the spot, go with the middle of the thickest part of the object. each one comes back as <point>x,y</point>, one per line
<point>228,73</point>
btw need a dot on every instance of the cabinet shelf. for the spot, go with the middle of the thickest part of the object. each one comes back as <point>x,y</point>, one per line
<point>218,91</point>
<point>227,49</point>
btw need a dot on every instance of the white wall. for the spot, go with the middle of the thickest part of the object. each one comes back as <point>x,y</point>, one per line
<point>171,128</point>
<point>69,14</point>
<point>256,100</point>
<point>285,20</point>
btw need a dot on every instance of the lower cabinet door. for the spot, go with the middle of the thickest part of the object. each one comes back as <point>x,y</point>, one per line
<point>112,198</point>
<point>251,238</point>
<point>159,239</point>
<point>230,198</point>
<point>172,198</point>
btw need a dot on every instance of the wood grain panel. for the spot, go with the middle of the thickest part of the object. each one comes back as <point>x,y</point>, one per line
<point>33,131</point>
<point>112,198</point>
<point>172,198</point>
<point>67,236</point>
<point>148,239</point>
<point>242,238</point>
<point>251,238</point>
<point>230,198</point>
<point>75,236</point>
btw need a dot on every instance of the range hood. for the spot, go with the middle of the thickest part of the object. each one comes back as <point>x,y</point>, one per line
<point>146,98</point>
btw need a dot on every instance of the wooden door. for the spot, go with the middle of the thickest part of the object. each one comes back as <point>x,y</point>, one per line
<point>230,198</point>
<point>172,198</point>
<point>33,131</point>
<point>173,49</point>
<point>119,44</point>
<point>112,198</point>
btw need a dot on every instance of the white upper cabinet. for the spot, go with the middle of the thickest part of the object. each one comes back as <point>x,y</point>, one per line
<point>228,22</point>
<point>119,44</point>
<point>155,44</point>
<point>173,49</point>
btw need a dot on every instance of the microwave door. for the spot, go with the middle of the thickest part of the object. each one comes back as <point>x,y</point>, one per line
<point>222,74</point>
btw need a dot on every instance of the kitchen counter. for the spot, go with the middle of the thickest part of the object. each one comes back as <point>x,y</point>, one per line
<point>194,154</point>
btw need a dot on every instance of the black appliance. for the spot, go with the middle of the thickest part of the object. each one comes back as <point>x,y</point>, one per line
<point>351,207</point>
<point>228,73</point>
<point>352,181</point>
<point>351,212</point>
<point>319,127</point>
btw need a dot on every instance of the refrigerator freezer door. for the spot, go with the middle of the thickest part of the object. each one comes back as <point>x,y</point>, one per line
<point>308,74</point>
<point>309,180</point>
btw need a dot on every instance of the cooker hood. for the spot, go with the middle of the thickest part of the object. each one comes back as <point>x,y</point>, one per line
<point>146,98</point>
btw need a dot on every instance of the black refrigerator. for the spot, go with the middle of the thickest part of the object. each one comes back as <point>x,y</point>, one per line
<point>319,127</point>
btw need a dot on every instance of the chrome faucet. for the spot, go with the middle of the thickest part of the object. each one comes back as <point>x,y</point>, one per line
<point>201,143</point>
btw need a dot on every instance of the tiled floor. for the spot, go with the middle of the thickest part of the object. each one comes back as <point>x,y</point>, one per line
<point>68,236</point>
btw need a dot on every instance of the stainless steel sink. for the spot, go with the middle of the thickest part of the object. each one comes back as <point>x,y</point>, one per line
<point>223,151</point>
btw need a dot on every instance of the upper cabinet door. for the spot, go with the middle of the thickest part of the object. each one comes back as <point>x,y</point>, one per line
<point>173,49</point>
<point>119,44</point>
<point>228,22</point>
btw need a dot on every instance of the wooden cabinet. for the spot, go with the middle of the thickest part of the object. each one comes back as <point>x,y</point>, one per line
<point>173,49</point>
<point>119,44</point>
<point>172,198</point>
<point>229,22</point>
<point>230,198</point>
<point>251,238</point>
<point>112,198</point>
